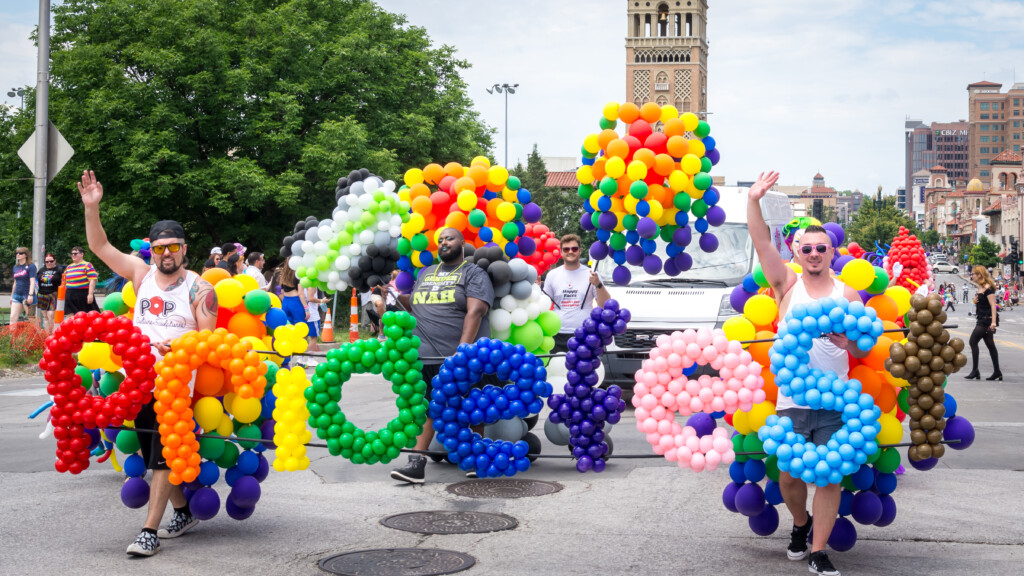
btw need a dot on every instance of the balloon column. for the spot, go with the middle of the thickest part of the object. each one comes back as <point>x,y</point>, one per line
<point>584,408</point>
<point>548,248</point>
<point>644,185</point>
<point>927,357</point>
<point>907,251</point>
<point>357,245</point>
<point>483,202</point>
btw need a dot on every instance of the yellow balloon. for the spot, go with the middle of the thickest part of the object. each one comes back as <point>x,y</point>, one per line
<point>629,204</point>
<point>761,310</point>
<point>758,414</point>
<point>890,430</point>
<point>637,170</point>
<point>795,267</point>
<point>112,363</point>
<point>678,180</point>
<point>301,330</point>
<point>509,195</point>
<point>740,421</point>
<point>413,176</point>
<point>690,121</point>
<point>611,111</point>
<point>739,328</point>
<point>225,428</point>
<point>590,144</point>
<point>585,174</point>
<point>481,161</point>
<point>858,274</point>
<point>246,409</point>
<point>275,301</point>
<point>497,175</point>
<point>128,294</point>
<point>506,211</point>
<point>901,296</point>
<point>208,413</point>
<point>697,148</point>
<point>94,355</point>
<point>656,211</point>
<point>594,198</point>
<point>248,283</point>
<point>229,292</point>
<point>615,167</point>
<point>690,163</point>
<point>668,112</point>
<point>229,399</point>
<point>466,200</point>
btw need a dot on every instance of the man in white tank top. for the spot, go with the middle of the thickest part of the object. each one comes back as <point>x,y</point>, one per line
<point>813,250</point>
<point>171,300</point>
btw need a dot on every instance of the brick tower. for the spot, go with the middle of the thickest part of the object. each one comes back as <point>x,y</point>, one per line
<point>667,53</point>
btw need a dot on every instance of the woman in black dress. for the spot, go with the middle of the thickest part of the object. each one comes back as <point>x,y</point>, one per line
<point>988,319</point>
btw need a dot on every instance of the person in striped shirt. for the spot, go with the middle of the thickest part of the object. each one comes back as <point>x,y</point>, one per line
<point>80,280</point>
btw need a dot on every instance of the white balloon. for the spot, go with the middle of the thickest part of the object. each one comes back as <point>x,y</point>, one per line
<point>356,189</point>
<point>520,317</point>
<point>355,249</point>
<point>342,262</point>
<point>333,276</point>
<point>533,310</point>
<point>383,225</point>
<point>308,259</point>
<point>322,276</point>
<point>389,186</point>
<point>366,237</point>
<point>371,185</point>
<point>341,216</point>
<point>350,200</point>
<point>337,226</point>
<point>508,302</point>
<point>324,232</point>
<point>500,319</point>
<point>294,262</point>
<point>320,247</point>
<point>365,201</point>
<point>307,247</point>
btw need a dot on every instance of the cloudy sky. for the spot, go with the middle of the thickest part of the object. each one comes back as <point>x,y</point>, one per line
<point>799,86</point>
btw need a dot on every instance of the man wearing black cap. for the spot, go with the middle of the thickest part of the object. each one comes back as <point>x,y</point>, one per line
<point>170,301</point>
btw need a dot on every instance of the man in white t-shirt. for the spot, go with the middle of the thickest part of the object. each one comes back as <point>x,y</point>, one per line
<point>255,269</point>
<point>573,289</point>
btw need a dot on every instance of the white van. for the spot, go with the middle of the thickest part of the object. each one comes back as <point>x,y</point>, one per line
<point>696,298</point>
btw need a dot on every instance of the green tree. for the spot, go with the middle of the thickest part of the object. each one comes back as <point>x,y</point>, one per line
<point>930,238</point>
<point>878,220</point>
<point>561,207</point>
<point>985,253</point>
<point>237,118</point>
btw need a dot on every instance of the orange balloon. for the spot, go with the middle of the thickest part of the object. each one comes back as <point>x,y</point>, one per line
<point>618,148</point>
<point>885,306</point>
<point>432,174</point>
<point>650,112</point>
<point>598,167</point>
<point>464,183</point>
<point>454,169</point>
<point>209,380</point>
<point>870,382</point>
<point>478,173</point>
<point>629,112</point>
<point>878,354</point>
<point>674,127</point>
<point>645,155</point>
<point>771,391</point>
<point>759,350</point>
<point>421,205</point>
<point>886,398</point>
<point>605,137</point>
<point>214,275</point>
<point>245,324</point>
<point>664,164</point>
<point>419,190</point>
<point>677,146</point>
<point>457,220</point>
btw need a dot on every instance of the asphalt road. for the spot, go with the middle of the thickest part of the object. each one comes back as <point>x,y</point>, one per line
<point>638,517</point>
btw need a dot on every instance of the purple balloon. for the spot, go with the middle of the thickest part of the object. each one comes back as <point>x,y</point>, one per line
<point>708,242</point>
<point>958,428</point>
<point>844,535</point>
<point>267,433</point>
<point>765,523</point>
<point>599,250</point>
<point>652,264</point>
<point>926,464</point>
<point>404,282</point>
<point>729,496</point>
<point>262,470</point>
<point>841,261</point>
<point>670,267</point>
<point>585,463</point>
<point>635,255</point>
<point>531,213</point>
<point>607,221</point>
<point>702,423</point>
<point>526,245</point>
<point>738,298</point>
<point>682,236</point>
<point>832,238</point>
<point>683,261</point>
<point>647,227</point>
<point>837,231</point>
<point>205,503</point>
<point>864,295</point>
<point>866,507</point>
<point>237,512</point>
<point>713,155</point>
<point>586,222</point>
<point>135,493</point>
<point>750,500</point>
<point>246,492</point>
<point>715,215</point>
<point>621,276</point>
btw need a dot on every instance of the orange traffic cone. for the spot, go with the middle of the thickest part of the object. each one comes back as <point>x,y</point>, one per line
<point>58,316</point>
<point>353,331</point>
<point>327,332</point>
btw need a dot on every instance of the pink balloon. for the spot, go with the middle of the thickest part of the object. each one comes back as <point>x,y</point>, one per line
<point>649,401</point>
<point>711,460</point>
<point>697,462</point>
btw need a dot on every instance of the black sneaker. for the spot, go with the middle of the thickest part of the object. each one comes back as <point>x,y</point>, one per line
<point>414,472</point>
<point>820,564</point>
<point>146,544</point>
<point>798,541</point>
<point>180,523</point>
<point>471,474</point>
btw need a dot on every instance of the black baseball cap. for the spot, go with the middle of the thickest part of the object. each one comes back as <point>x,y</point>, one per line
<point>166,229</point>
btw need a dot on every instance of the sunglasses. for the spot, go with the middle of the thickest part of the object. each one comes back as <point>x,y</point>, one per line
<point>49,261</point>
<point>161,249</point>
<point>820,248</point>
<point>571,249</point>
<point>75,253</point>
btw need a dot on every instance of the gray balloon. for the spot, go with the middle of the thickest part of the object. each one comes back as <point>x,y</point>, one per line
<point>502,290</point>
<point>558,434</point>
<point>519,269</point>
<point>356,189</point>
<point>508,430</point>
<point>531,275</point>
<point>500,272</point>
<point>521,290</point>
<point>311,234</point>
<point>381,238</point>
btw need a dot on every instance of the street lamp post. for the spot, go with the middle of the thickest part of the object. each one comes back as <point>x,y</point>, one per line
<point>17,92</point>
<point>507,89</point>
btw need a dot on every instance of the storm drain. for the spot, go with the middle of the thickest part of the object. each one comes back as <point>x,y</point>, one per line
<point>504,488</point>
<point>448,522</point>
<point>397,562</point>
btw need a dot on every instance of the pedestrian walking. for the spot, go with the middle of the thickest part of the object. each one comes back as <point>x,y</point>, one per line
<point>24,291</point>
<point>49,280</point>
<point>80,282</point>
<point>988,320</point>
<point>950,299</point>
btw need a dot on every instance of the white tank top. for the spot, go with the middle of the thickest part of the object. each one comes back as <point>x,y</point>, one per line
<point>163,315</point>
<point>824,354</point>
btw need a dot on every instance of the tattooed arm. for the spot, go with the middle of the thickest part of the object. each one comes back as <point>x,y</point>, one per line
<point>204,304</point>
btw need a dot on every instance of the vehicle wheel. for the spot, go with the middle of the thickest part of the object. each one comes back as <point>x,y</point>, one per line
<point>956,270</point>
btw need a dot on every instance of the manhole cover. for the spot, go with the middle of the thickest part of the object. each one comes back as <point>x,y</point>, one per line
<point>447,522</point>
<point>504,488</point>
<point>397,562</point>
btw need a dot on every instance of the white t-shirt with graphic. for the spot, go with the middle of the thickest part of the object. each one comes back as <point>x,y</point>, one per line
<point>573,295</point>
<point>164,314</point>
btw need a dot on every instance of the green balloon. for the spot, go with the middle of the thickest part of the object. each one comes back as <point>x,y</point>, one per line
<point>510,230</point>
<point>753,444</point>
<point>666,232</point>
<point>321,263</point>
<point>609,186</point>
<point>513,183</point>
<point>847,484</point>
<point>250,431</point>
<point>211,448</point>
<point>546,345</point>
<point>530,335</point>
<point>257,302</point>
<point>880,283</point>
<point>638,189</point>
<point>629,221</point>
<point>519,211</point>
<point>477,218</point>
<point>585,190</point>
<point>420,242</point>
<point>85,374</point>
<point>737,446</point>
<point>681,201</point>
<point>902,400</point>
<point>595,217</point>
<point>229,457</point>
<point>617,241</point>
<point>702,181</point>
<point>699,208</point>
<point>705,164</point>
<point>702,129</point>
<point>127,442</point>
<point>888,461</point>
<point>586,153</point>
<point>607,124</point>
<point>549,322</point>
<point>759,278</point>
<point>110,382</point>
<point>772,468</point>
<point>115,303</point>
<point>404,246</point>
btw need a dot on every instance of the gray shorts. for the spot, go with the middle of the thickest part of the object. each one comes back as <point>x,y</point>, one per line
<point>814,425</point>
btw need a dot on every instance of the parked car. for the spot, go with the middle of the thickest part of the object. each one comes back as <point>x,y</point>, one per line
<point>944,266</point>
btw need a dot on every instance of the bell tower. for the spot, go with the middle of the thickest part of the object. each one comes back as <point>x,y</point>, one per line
<point>667,53</point>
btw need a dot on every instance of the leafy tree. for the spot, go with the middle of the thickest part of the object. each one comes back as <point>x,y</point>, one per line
<point>878,220</point>
<point>561,207</point>
<point>930,238</point>
<point>236,118</point>
<point>985,253</point>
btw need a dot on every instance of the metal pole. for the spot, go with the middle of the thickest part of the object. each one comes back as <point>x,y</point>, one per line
<point>42,132</point>
<point>506,126</point>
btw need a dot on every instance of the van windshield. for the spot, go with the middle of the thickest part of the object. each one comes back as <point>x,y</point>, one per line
<point>728,264</point>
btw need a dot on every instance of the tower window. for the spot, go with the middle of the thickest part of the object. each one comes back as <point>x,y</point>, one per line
<point>663,20</point>
<point>689,24</point>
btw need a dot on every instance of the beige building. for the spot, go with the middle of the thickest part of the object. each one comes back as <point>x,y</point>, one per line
<point>667,53</point>
<point>803,199</point>
<point>996,125</point>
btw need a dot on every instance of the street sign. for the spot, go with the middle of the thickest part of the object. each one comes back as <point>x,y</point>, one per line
<point>58,153</point>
